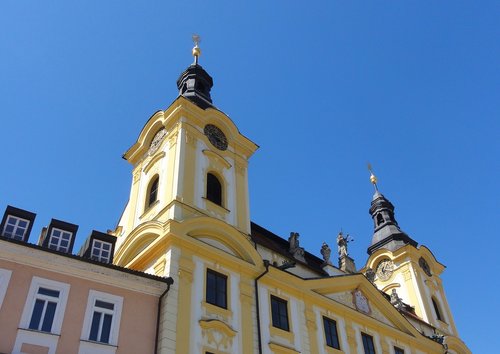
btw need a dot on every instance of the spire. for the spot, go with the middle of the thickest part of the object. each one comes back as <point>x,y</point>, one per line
<point>386,233</point>
<point>195,83</point>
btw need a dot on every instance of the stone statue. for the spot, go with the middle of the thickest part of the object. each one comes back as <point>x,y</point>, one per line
<point>294,241</point>
<point>396,300</point>
<point>297,251</point>
<point>370,275</point>
<point>342,244</point>
<point>325,252</point>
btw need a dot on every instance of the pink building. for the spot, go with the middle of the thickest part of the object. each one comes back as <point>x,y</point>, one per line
<point>54,302</point>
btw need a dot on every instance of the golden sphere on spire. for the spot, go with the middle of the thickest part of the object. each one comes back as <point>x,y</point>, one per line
<point>196,49</point>
<point>373,179</point>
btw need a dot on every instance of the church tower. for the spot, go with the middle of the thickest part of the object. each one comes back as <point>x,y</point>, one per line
<point>399,266</point>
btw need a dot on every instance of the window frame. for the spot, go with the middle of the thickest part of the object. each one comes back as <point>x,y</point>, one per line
<point>438,309</point>
<point>216,290</point>
<point>36,284</point>
<point>368,339</point>
<point>16,226</point>
<point>99,257</point>
<point>329,333</point>
<point>279,315</point>
<point>117,301</point>
<point>153,182</point>
<point>215,196</point>
<point>59,247</point>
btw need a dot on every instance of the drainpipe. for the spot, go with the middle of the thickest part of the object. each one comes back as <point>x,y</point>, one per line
<point>266,264</point>
<point>169,282</point>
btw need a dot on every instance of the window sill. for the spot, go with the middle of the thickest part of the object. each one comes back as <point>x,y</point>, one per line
<point>149,208</point>
<point>216,310</point>
<point>39,332</point>
<point>331,350</point>
<point>278,332</point>
<point>88,346</point>
<point>98,343</point>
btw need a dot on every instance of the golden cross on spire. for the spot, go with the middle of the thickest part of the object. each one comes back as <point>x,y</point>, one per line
<point>373,178</point>
<point>196,48</point>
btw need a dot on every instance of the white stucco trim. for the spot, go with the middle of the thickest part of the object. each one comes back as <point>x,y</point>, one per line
<point>5,275</point>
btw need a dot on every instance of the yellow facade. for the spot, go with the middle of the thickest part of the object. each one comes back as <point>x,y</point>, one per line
<point>184,234</point>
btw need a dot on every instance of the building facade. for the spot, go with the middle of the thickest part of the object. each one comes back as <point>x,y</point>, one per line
<point>237,287</point>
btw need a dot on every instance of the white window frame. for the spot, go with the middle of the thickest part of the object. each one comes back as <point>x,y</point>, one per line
<point>99,257</point>
<point>37,283</point>
<point>16,226</point>
<point>117,301</point>
<point>59,239</point>
<point>5,275</point>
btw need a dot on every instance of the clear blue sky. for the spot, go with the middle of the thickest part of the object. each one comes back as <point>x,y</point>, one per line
<point>322,87</point>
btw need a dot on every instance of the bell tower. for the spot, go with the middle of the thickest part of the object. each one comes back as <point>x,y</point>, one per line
<point>189,160</point>
<point>399,266</point>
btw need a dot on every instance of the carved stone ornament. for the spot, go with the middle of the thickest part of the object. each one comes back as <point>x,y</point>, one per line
<point>385,269</point>
<point>156,142</point>
<point>360,301</point>
<point>425,266</point>
<point>217,334</point>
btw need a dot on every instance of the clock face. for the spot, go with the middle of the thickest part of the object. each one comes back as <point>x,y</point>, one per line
<point>216,136</point>
<point>385,269</point>
<point>425,266</point>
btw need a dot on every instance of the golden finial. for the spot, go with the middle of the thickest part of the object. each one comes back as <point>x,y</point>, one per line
<point>373,178</point>
<point>196,48</point>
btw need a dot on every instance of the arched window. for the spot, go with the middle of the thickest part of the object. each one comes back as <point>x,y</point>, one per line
<point>152,195</point>
<point>214,189</point>
<point>436,308</point>
<point>380,219</point>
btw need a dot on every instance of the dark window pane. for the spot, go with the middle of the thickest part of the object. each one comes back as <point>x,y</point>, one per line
<point>48,292</point>
<point>94,329</point>
<point>279,313</point>
<point>214,189</point>
<point>398,350</point>
<point>49,316</point>
<point>332,339</point>
<point>106,328</point>
<point>153,192</point>
<point>37,314</point>
<point>104,305</point>
<point>216,291</point>
<point>368,343</point>
<point>22,223</point>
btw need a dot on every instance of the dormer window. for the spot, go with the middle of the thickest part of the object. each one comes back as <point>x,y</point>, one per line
<point>214,189</point>
<point>60,240</point>
<point>152,195</point>
<point>16,224</point>
<point>101,251</point>
<point>15,227</point>
<point>380,219</point>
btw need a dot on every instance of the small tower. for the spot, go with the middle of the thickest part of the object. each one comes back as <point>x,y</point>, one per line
<point>402,267</point>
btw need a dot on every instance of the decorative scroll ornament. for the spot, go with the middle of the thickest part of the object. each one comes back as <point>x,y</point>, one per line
<point>156,142</point>
<point>361,302</point>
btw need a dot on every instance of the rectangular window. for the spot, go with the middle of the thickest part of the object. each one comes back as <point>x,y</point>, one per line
<point>102,318</point>
<point>60,240</point>
<point>101,251</point>
<point>332,338</point>
<point>398,350</point>
<point>101,321</point>
<point>279,310</point>
<point>368,343</point>
<point>45,305</point>
<point>216,289</point>
<point>15,228</point>
<point>44,310</point>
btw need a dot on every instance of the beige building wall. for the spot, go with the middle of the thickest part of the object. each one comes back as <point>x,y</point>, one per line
<point>137,322</point>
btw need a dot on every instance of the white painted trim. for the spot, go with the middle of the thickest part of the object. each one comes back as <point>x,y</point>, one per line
<point>5,275</point>
<point>89,312</point>
<point>36,283</point>
<point>35,338</point>
<point>96,348</point>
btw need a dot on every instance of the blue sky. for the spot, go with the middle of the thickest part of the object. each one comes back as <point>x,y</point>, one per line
<point>322,87</point>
